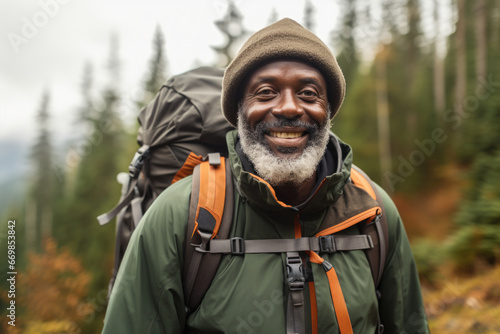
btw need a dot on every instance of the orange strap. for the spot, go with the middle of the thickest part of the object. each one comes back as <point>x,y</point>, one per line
<point>212,191</point>
<point>191,162</point>
<point>337,296</point>
<point>314,308</point>
<point>297,228</point>
<point>368,214</point>
<point>361,182</point>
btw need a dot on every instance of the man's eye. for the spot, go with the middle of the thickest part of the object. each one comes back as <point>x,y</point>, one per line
<point>309,93</point>
<point>265,91</point>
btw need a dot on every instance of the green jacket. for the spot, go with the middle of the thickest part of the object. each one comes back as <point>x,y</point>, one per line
<point>249,293</point>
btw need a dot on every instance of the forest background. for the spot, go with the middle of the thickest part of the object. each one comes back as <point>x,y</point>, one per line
<point>422,113</point>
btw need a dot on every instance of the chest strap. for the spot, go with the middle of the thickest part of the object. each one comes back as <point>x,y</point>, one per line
<point>324,244</point>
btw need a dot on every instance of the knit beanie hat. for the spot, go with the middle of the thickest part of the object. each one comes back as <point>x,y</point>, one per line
<point>285,39</point>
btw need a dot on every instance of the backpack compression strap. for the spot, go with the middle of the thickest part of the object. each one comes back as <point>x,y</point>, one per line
<point>210,215</point>
<point>135,169</point>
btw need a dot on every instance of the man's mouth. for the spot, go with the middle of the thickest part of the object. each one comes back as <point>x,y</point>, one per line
<point>286,135</point>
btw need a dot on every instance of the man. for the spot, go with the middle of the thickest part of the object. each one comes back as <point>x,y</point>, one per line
<point>281,91</point>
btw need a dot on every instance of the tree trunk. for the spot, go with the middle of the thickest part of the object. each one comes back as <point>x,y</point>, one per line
<point>461,65</point>
<point>46,226</point>
<point>30,229</point>
<point>439,83</point>
<point>383,114</point>
<point>481,20</point>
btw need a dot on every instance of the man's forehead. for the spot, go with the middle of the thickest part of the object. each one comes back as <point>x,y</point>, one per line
<point>272,72</point>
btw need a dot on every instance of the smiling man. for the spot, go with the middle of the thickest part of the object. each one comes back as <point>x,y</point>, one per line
<point>284,123</point>
<point>301,214</point>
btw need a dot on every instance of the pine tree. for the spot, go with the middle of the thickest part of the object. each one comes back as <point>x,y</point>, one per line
<point>39,226</point>
<point>344,39</point>
<point>309,15</point>
<point>95,189</point>
<point>273,17</point>
<point>157,71</point>
<point>85,112</point>
<point>231,25</point>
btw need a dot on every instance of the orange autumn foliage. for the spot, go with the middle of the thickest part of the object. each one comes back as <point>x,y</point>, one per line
<point>53,287</point>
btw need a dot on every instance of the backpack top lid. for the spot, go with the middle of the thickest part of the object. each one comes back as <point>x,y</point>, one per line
<point>185,116</point>
<point>186,109</point>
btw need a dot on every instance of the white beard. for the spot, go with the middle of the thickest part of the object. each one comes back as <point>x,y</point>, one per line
<point>277,170</point>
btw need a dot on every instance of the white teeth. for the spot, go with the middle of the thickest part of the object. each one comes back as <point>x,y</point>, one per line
<point>287,135</point>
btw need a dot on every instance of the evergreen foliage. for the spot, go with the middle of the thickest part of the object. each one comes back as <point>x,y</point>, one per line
<point>40,198</point>
<point>231,25</point>
<point>309,15</point>
<point>157,71</point>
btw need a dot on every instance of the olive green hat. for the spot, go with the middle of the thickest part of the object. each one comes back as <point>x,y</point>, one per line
<point>285,39</point>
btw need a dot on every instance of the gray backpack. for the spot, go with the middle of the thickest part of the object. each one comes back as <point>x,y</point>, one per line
<point>180,125</point>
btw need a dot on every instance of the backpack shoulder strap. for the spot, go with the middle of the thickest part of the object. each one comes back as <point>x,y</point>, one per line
<point>210,216</point>
<point>377,229</point>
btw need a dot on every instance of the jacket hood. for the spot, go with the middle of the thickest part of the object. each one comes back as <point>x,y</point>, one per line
<point>261,194</point>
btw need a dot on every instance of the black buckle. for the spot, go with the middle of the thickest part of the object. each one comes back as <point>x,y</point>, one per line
<point>205,239</point>
<point>237,246</point>
<point>140,157</point>
<point>327,244</point>
<point>295,275</point>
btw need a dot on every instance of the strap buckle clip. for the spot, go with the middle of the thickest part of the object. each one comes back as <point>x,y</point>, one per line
<point>203,247</point>
<point>327,244</point>
<point>237,246</point>
<point>295,273</point>
<point>140,157</point>
<point>375,220</point>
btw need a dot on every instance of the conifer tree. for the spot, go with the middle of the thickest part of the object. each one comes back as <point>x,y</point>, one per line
<point>309,15</point>
<point>96,189</point>
<point>39,225</point>
<point>344,39</point>
<point>157,71</point>
<point>273,17</point>
<point>231,25</point>
<point>86,110</point>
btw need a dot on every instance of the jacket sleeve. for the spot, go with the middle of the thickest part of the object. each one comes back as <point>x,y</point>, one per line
<point>147,296</point>
<point>401,305</point>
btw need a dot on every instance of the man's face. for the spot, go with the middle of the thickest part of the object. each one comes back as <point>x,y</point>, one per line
<point>285,102</point>
<point>284,121</point>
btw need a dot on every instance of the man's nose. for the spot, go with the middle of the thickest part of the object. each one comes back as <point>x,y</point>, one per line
<point>288,106</point>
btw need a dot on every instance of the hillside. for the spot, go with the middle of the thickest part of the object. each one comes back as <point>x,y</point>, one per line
<point>465,305</point>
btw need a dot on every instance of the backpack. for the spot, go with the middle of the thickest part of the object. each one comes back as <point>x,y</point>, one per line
<point>178,128</point>
<point>182,123</point>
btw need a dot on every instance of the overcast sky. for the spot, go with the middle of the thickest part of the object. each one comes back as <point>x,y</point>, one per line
<point>45,44</point>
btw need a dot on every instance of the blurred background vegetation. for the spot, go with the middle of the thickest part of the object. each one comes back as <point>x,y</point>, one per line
<point>422,113</point>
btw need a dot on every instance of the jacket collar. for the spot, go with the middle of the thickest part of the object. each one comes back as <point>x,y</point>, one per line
<point>333,171</point>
